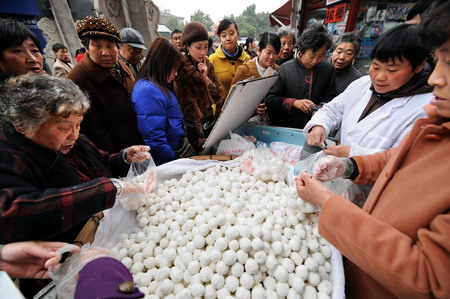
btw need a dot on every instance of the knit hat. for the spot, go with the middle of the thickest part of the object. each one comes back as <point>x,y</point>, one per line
<point>101,27</point>
<point>194,32</point>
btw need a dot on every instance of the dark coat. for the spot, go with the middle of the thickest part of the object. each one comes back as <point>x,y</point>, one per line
<point>41,195</point>
<point>110,122</point>
<point>196,100</point>
<point>292,85</point>
<point>346,76</point>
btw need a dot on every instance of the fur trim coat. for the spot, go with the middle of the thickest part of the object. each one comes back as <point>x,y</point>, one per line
<point>196,99</point>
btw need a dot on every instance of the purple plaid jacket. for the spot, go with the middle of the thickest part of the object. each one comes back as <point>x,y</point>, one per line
<point>41,195</point>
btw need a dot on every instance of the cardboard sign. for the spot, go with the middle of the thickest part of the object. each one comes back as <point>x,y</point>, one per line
<point>239,106</point>
<point>335,13</point>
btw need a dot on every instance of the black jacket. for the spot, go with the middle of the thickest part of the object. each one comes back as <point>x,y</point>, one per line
<point>292,84</point>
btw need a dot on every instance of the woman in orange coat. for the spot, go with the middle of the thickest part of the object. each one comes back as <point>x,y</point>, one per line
<point>398,245</point>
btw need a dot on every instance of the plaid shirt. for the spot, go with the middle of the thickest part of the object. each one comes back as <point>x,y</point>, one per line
<point>41,195</point>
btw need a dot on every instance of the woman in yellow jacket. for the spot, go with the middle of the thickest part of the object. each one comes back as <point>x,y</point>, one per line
<point>229,55</point>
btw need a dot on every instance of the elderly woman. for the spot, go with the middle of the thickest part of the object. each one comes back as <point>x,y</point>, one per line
<point>398,245</point>
<point>304,82</point>
<point>20,50</point>
<point>287,37</point>
<point>197,88</point>
<point>229,55</point>
<point>345,51</point>
<point>51,178</point>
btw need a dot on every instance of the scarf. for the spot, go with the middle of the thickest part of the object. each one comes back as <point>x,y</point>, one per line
<point>234,56</point>
<point>417,85</point>
<point>115,72</point>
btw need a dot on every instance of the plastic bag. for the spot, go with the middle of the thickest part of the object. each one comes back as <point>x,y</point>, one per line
<point>142,172</point>
<point>65,276</point>
<point>289,152</point>
<point>236,146</point>
<point>263,164</point>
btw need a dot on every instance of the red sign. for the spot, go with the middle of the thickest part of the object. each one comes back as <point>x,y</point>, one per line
<point>335,13</point>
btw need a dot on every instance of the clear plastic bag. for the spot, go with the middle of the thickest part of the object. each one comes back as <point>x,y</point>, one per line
<point>263,164</point>
<point>65,276</point>
<point>236,146</point>
<point>290,153</point>
<point>142,172</point>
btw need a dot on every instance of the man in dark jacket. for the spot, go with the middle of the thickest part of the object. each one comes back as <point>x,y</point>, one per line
<point>111,121</point>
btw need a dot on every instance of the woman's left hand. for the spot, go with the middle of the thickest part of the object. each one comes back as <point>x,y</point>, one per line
<point>312,190</point>
<point>136,149</point>
<point>338,150</point>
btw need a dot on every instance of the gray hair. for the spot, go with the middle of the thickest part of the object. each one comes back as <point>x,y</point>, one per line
<point>350,37</point>
<point>285,31</point>
<point>29,100</point>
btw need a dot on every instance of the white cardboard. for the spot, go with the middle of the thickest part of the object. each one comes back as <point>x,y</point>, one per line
<point>239,106</point>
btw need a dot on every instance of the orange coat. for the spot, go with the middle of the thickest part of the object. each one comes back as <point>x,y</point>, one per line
<point>248,70</point>
<point>398,245</point>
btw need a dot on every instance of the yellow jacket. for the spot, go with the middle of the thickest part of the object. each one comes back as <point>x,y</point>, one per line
<point>225,68</point>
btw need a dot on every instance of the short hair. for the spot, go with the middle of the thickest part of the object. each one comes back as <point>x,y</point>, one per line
<point>314,38</point>
<point>350,37</point>
<point>162,58</point>
<point>436,24</point>
<point>286,31</point>
<point>400,42</point>
<point>56,47</point>
<point>175,31</point>
<point>268,38</point>
<point>418,9</point>
<point>14,33</point>
<point>86,40</point>
<point>30,100</point>
<point>224,24</point>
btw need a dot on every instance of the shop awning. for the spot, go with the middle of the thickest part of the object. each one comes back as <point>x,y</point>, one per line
<point>281,16</point>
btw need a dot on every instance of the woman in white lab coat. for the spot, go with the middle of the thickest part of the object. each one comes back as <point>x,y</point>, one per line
<point>375,112</point>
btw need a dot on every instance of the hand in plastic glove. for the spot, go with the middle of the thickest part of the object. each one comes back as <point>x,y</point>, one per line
<point>126,187</point>
<point>338,150</point>
<point>316,136</point>
<point>138,151</point>
<point>30,259</point>
<point>311,190</point>
<point>329,168</point>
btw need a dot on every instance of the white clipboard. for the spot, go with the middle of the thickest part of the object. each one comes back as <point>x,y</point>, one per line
<point>239,106</point>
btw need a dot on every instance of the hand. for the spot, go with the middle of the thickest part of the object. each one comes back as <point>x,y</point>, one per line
<point>204,71</point>
<point>338,150</point>
<point>30,259</point>
<point>303,105</point>
<point>316,136</point>
<point>141,152</point>
<point>311,190</point>
<point>126,187</point>
<point>261,109</point>
<point>329,168</point>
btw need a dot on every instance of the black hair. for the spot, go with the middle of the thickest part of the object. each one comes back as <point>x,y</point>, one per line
<point>267,38</point>
<point>418,9</point>
<point>314,38</point>
<point>85,41</point>
<point>224,24</point>
<point>436,24</point>
<point>248,42</point>
<point>175,31</point>
<point>210,42</point>
<point>350,37</point>
<point>14,33</point>
<point>401,42</point>
<point>56,47</point>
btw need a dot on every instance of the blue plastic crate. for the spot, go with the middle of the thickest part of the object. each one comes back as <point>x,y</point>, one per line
<point>268,134</point>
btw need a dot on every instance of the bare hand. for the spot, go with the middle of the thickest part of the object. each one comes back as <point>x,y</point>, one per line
<point>29,259</point>
<point>311,190</point>
<point>203,69</point>
<point>137,150</point>
<point>303,105</point>
<point>338,150</point>
<point>316,136</point>
<point>261,109</point>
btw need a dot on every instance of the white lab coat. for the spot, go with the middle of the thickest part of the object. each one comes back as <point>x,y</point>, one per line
<point>381,130</point>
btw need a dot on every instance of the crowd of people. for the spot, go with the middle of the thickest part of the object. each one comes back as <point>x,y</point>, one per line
<point>67,139</point>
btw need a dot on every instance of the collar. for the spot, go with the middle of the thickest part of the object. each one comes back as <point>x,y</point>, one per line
<point>98,73</point>
<point>261,70</point>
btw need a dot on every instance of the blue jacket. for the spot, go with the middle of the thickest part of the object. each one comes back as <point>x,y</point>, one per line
<point>159,120</point>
